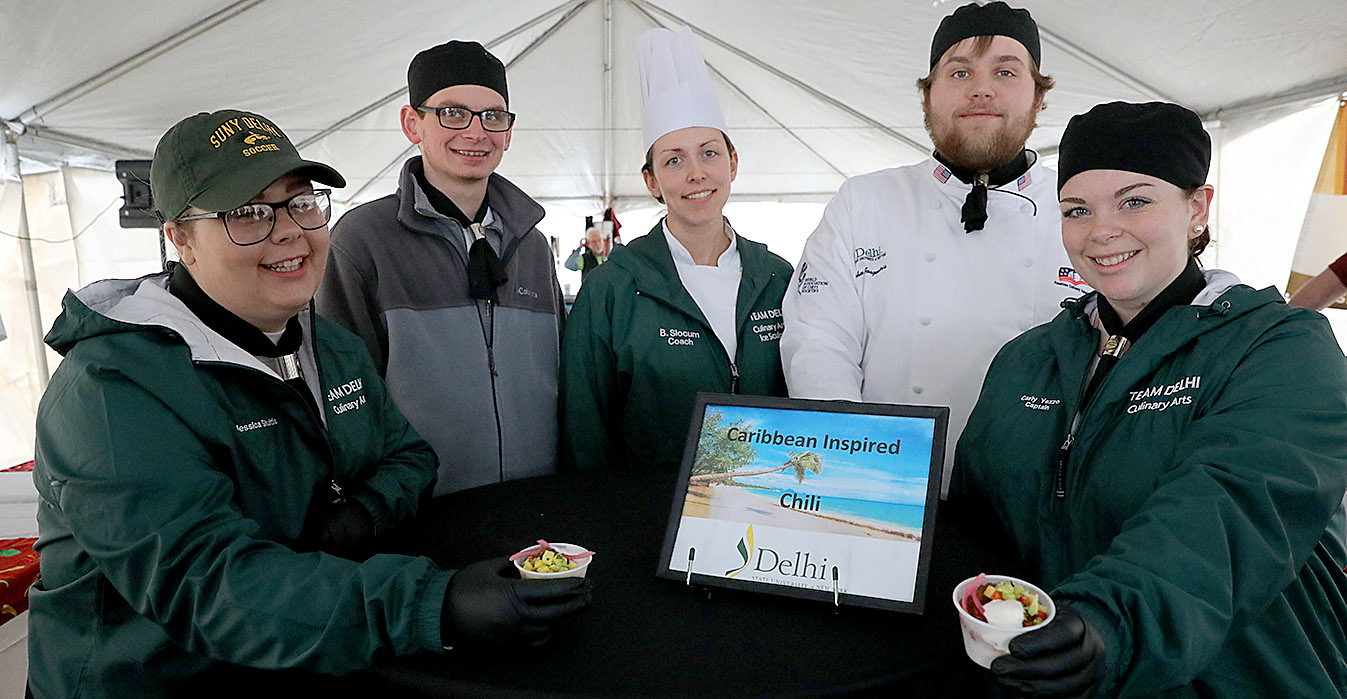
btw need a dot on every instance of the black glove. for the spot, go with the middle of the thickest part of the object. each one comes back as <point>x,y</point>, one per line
<point>1063,659</point>
<point>347,527</point>
<point>487,603</point>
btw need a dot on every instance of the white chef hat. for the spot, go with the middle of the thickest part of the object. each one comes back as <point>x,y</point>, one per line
<point>675,87</point>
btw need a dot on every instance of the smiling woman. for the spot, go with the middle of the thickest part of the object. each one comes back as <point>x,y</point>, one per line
<point>1178,463</point>
<point>266,439</point>
<point>669,315</point>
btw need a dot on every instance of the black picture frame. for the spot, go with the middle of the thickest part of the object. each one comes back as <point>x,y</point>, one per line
<point>669,564</point>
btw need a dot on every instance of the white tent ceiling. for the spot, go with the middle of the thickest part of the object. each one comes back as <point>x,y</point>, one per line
<point>813,92</point>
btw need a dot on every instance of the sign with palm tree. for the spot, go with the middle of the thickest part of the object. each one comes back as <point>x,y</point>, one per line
<point>807,462</point>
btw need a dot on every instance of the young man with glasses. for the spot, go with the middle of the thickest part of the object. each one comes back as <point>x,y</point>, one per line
<point>214,460</point>
<point>451,286</point>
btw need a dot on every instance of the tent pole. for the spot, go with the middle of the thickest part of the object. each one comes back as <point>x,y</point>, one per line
<point>607,103</point>
<point>12,172</point>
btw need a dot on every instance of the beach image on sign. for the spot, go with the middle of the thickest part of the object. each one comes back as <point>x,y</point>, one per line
<point>784,496</point>
<point>858,475</point>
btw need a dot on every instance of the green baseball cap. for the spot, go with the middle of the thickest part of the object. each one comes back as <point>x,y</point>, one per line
<point>221,160</point>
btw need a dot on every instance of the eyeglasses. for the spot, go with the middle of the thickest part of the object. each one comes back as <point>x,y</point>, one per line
<point>496,120</point>
<point>253,222</point>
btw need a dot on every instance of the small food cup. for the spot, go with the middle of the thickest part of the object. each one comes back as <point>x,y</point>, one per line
<point>984,642</point>
<point>581,565</point>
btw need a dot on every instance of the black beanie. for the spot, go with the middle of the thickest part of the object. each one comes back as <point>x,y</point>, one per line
<point>992,19</point>
<point>454,63</point>
<point>1156,138</point>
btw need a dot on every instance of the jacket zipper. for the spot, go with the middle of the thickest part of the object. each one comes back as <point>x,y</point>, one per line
<point>734,370</point>
<point>491,371</point>
<point>1113,347</point>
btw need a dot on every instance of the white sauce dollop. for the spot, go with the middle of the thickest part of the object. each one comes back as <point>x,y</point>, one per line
<point>1004,613</point>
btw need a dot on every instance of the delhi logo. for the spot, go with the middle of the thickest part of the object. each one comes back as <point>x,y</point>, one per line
<point>745,549</point>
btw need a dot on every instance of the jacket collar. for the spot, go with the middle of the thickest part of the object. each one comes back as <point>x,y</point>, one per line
<point>650,264</point>
<point>136,305</point>
<point>1221,301</point>
<point>512,212</point>
<point>1026,184</point>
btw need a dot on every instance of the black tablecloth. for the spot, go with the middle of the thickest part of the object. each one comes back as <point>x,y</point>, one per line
<point>645,636</point>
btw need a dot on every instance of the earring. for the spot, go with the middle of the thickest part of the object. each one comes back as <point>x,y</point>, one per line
<point>1198,229</point>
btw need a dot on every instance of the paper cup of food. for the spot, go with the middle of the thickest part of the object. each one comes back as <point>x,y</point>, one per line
<point>545,561</point>
<point>996,608</point>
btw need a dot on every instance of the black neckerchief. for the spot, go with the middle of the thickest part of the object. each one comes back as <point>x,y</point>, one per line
<point>485,271</point>
<point>281,356</point>
<point>997,176</point>
<point>233,328</point>
<point>442,203</point>
<point>1181,291</point>
<point>973,216</point>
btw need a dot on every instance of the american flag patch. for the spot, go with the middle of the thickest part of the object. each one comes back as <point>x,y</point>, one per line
<point>1023,181</point>
<point>942,173</point>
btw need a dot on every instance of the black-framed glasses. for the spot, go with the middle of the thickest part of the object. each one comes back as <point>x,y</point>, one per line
<point>460,118</point>
<point>253,222</point>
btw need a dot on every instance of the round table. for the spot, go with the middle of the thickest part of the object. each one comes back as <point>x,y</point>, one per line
<point>646,636</point>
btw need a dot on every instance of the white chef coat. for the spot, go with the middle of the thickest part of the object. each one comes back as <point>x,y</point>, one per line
<point>895,303</point>
<point>715,289</point>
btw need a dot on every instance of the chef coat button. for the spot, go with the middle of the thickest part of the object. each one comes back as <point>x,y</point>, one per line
<point>924,321</point>
<point>930,257</point>
<point>916,389</point>
<point>1028,262</point>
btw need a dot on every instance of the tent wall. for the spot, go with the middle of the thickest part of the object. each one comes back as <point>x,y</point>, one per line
<point>75,237</point>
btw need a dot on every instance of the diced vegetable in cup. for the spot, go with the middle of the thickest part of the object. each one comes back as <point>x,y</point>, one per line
<point>996,608</point>
<point>552,561</point>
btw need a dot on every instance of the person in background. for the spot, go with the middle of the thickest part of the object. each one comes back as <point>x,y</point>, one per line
<point>691,306</point>
<point>590,253</point>
<point>1324,289</point>
<point>1171,479</point>
<point>450,284</point>
<point>213,460</point>
<point>917,274</point>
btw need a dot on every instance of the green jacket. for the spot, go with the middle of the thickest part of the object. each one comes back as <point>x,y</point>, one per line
<point>174,470</point>
<point>638,349</point>
<point>1201,525</point>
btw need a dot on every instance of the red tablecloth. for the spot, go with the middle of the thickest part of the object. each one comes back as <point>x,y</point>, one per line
<point>18,571</point>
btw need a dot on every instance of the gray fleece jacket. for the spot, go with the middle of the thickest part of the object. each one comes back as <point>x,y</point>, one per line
<point>478,380</point>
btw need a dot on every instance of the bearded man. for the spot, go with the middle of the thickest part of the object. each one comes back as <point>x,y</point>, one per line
<point>917,275</point>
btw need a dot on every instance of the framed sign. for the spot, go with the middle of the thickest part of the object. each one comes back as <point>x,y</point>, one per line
<point>826,500</point>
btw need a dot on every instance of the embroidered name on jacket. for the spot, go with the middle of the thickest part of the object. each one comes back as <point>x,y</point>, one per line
<point>257,424</point>
<point>350,389</point>
<point>679,337</point>
<point>1037,403</point>
<point>864,256</point>
<point>1164,396</point>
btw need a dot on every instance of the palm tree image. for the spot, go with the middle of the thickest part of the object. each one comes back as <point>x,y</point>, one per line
<point>807,462</point>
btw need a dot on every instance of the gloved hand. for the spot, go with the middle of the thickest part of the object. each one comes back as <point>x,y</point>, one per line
<point>347,527</point>
<point>1063,659</point>
<point>488,604</point>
